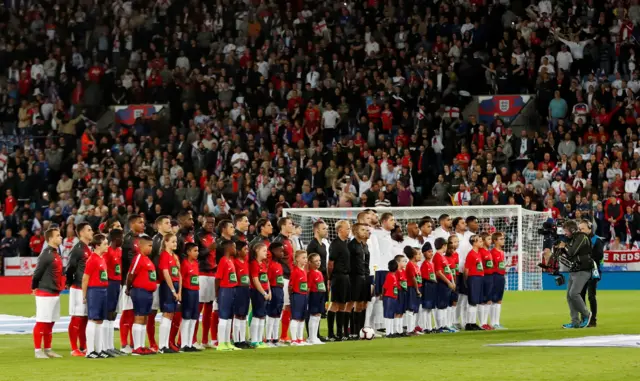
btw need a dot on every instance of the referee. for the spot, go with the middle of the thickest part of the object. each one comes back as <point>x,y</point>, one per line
<point>360,285</point>
<point>338,270</point>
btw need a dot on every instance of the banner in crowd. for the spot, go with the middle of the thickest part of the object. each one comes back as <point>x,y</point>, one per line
<point>621,260</point>
<point>505,107</point>
<point>20,266</point>
<point>128,114</point>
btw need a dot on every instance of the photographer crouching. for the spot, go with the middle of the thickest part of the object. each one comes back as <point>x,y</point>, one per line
<point>597,254</point>
<point>577,252</point>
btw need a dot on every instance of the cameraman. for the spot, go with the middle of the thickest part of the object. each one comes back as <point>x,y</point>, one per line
<point>597,254</point>
<point>578,252</point>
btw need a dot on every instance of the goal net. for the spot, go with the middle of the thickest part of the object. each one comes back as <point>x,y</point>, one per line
<point>523,249</point>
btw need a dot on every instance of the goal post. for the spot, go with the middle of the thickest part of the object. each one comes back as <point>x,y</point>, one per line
<point>523,249</point>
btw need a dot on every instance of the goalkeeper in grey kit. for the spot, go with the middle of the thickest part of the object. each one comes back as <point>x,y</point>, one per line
<point>578,252</point>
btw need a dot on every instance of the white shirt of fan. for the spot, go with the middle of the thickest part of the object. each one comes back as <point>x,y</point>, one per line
<point>330,119</point>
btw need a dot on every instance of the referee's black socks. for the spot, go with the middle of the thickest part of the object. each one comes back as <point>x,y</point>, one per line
<point>340,323</point>
<point>331,318</point>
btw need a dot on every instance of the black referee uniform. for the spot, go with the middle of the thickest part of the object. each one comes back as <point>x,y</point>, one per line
<point>340,283</point>
<point>360,287</point>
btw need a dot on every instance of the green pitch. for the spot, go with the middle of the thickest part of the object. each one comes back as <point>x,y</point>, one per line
<point>461,356</point>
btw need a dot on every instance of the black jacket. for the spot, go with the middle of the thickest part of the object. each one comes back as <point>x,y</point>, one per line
<point>597,251</point>
<point>184,236</point>
<point>579,252</point>
<point>77,261</point>
<point>47,276</point>
<point>206,259</point>
<point>128,252</point>
<point>156,249</point>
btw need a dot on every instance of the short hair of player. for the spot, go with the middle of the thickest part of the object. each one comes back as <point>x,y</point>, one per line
<point>133,218</point>
<point>162,218</point>
<point>439,243</point>
<point>183,215</point>
<point>312,256</point>
<point>409,252</point>
<point>357,225</point>
<point>97,240</point>
<point>317,224</point>
<point>224,224</point>
<point>425,220</point>
<point>49,233</point>
<point>474,238</point>
<point>299,253</point>
<point>226,244</point>
<point>340,224</point>
<point>398,258</point>
<point>115,234</point>
<point>144,239</point>
<point>442,218</point>
<point>496,236</point>
<point>283,221</point>
<point>385,216</point>
<point>484,235</point>
<point>456,221</point>
<point>240,245</point>
<point>392,266</point>
<point>260,224</point>
<point>471,219</point>
<point>81,226</point>
<point>239,217</point>
<point>362,215</point>
<point>189,246</point>
<point>275,245</point>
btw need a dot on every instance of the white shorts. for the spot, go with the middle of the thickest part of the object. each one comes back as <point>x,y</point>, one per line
<point>125,302</point>
<point>155,305</point>
<point>77,307</point>
<point>285,288</point>
<point>207,288</point>
<point>47,309</point>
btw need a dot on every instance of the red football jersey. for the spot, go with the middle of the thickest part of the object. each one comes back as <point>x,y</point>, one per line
<point>401,275</point>
<point>499,261</point>
<point>428,272</point>
<point>413,275</point>
<point>190,272</point>
<point>390,287</point>
<point>206,241</point>
<point>440,263</point>
<point>473,264</point>
<point>113,257</point>
<point>144,273</point>
<point>287,245</point>
<point>274,272</point>
<point>259,270</point>
<point>226,273</point>
<point>168,262</point>
<point>454,261</point>
<point>487,261</point>
<point>316,281</point>
<point>96,269</point>
<point>242,271</point>
<point>299,281</point>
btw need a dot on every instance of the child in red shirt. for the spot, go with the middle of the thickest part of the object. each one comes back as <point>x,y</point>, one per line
<point>226,282</point>
<point>401,305</point>
<point>452,258</point>
<point>94,290</point>
<point>260,293</point>
<point>499,280</point>
<point>276,284</point>
<point>141,284</point>
<point>299,291</point>
<point>317,297</point>
<point>190,292</point>
<point>487,287</point>
<point>414,289</point>
<point>429,287</point>
<point>390,298</point>
<point>473,277</point>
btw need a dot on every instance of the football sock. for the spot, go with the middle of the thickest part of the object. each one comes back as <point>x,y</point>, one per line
<point>398,327</point>
<point>228,330</point>
<point>388,325</point>
<point>206,322</point>
<point>269,327</point>
<point>165,329</point>
<point>48,335</point>
<point>496,314</point>
<point>151,329</point>
<point>409,317</point>
<point>428,319</point>
<point>362,318</point>
<point>347,322</point>
<point>104,328</point>
<point>300,330</point>
<point>461,309</point>
<point>97,344</point>
<point>485,314</point>
<point>314,324</point>
<point>82,335</point>
<point>339,323</point>
<point>276,328</point>
<point>286,320</point>
<point>294,330</point>
<point>184,332</point>
<point>194,323</point>
<point>472,314</point>
<point>253,330</point>
<point>175,328</point>
<point>137,328</point>
<point>350,325</point>
<point>439,318</point>
<point>260,329</point>
<point>242,330</point>
<point>125,327</point>
<point>331,318</point>
<point>378,312</point>
<point>215,318</point>
<point>451,312</point>
<point>353,318</point>
<point>222,330</point>
<point>306,324</point>
<point>39,330</point>
<point>368,313</point>
<point>74,327</point>
<point>91,337</point>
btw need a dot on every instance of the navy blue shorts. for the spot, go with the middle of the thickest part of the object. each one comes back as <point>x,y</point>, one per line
<point>429,295</point>
<point>258,304</point>
<point>443,296</point>
<point>474,287</point>
<point>461,288</point>
<point>389,307</point>
<point>316,302</point>
<point>97,303</point>
<point>487,288</point>
<point>226,299</point>
<point>142,301</point>
<point>499,281</point>
<point>453,298</point>
<point>168,303</point>
<point>275,305</point>
<point>401,302</point>
<point>299,306</point>
<point>413,301</point>
<point>113,295</point>
<point>190,304</point>
<point>241,303</point>
<point>380,276</point>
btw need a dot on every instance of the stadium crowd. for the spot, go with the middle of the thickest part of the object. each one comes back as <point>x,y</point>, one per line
<point>299,104</point>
